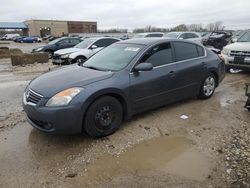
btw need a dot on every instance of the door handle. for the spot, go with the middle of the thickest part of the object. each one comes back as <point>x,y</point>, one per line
<point>172,74</point>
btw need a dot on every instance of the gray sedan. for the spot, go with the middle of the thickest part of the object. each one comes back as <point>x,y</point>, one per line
<point>118,82</point>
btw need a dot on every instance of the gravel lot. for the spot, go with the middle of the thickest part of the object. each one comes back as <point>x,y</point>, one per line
<point>154,149</point>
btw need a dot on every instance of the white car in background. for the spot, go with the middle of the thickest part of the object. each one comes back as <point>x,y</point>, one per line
<point>193,36</point>
<point>146,35</point>
<point>82,51</point>
<point>10,36</point>
<point>237,55</point>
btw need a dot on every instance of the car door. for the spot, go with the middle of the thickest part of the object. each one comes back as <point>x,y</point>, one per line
<point>149,89</point>
<point>190,68</point>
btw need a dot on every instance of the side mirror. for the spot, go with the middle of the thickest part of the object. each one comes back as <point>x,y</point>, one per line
<point>143,67</point>
<point>93,47</point>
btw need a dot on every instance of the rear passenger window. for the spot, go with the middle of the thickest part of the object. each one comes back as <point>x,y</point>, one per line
<point>158,55</point>
<point>185,51</point>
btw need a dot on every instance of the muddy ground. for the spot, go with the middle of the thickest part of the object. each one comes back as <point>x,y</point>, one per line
<point>154,149</point>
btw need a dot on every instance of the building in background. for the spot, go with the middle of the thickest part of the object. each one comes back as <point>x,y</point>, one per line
<point>59,28</point>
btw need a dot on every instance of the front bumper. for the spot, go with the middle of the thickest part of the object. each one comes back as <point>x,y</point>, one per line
<point>231,63</point>
<point>59,120</point>
<point>62,61</point>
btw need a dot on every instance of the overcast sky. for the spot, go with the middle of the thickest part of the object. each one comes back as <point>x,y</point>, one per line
<point>235,14</point>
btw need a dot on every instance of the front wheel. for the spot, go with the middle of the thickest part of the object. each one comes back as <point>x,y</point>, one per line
<point>50,54</point>
<point>103,117</point>
<point>208,87</point>
<point>80,60</point>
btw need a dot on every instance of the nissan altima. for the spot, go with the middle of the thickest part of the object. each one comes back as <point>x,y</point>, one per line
<point>118,82</point>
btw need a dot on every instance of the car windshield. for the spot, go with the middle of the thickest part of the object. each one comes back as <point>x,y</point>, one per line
<point>172,35</point>
<point>85,43</point>
<point>113,58</point>
<point>54,41</point>
<point>245,37</point>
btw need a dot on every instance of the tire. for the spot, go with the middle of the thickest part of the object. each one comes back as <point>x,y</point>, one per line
<point>80,59</point>
<point>103,117</point>
<point>208,86</point>
<point>50,53</point>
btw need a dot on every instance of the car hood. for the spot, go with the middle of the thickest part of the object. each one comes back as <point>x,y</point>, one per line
<point>42,47</point>
<point>239,46</point>
<point>67,51</point>
<point>53,82</point>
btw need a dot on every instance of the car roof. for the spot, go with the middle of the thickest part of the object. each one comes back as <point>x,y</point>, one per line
<point>149,33</point>
<point>98,38</point>
<point>150,41</point>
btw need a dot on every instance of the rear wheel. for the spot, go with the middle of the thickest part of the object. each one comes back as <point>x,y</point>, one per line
<point>103,117</point>
<point>208,86</point>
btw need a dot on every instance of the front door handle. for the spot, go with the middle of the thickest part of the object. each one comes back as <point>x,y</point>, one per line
<point>172,74</point>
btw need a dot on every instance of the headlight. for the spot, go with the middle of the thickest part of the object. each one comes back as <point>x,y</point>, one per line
<point>225,51</point>
<point>38,49</point>
<point>63,98</point>
<point>65,56</point>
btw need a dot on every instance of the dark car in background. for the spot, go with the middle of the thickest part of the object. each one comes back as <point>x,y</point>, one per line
<point>19,39</point>
<point>57,44</point>
<point>121,80</point>
<point>218,39</point>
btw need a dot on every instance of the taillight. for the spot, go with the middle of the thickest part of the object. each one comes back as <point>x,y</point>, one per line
<point>221,58</point>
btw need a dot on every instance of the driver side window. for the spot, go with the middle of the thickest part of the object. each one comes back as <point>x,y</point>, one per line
<point>184,36</point>
<point>100,43</point>
<point>63,42</point>
<point>158,55</point>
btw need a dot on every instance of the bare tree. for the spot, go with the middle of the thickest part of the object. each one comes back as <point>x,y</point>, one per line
<point>194,27</point>
<point>216,26</point>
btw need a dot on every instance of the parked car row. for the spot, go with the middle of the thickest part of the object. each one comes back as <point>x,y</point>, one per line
<point>21,39</point>
<point>121,80</point>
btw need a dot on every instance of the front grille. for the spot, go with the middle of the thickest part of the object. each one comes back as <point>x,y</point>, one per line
<point>240,53</point>
<point>33,97</point>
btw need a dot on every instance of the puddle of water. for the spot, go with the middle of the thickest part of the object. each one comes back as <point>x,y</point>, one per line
<point>25,152</point>
<point>168,154</point>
